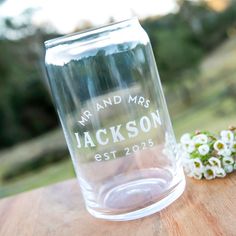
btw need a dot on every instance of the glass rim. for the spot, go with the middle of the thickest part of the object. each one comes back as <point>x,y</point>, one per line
<point>95,30</point>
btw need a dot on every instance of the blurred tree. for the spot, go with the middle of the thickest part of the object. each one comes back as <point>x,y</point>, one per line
<point>26,110</point>
<point>174,47</point>
<point>25,106</point>
<point>181,40</point>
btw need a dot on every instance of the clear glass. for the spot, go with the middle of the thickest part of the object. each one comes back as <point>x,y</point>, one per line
<point>110,102</point>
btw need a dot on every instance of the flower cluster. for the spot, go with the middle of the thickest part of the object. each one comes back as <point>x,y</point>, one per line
<point>205,155</point>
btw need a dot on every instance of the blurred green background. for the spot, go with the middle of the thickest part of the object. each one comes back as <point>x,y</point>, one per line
<point>195,49</point>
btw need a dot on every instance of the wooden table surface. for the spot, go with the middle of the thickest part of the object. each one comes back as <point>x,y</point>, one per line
<point>205,208</point>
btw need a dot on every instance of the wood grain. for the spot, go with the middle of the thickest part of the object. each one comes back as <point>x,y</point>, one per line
<point>205,208</point>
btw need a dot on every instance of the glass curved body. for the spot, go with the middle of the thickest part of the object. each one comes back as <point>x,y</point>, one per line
<point>109,99</point>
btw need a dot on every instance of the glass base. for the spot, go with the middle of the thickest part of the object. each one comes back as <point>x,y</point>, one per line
<point>130,195</point>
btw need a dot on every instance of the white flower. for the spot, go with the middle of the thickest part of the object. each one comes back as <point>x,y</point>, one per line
<point>227,136</point>
<point>194,168</point>
<point>222,148</point>
<point>228,168</point>
<point>219,146</point>
<point>227,161</point>
<point>185,138</point>
<point>235,166</point>
<point>197,164</point>
<point>209,172</point>
<point>208,166</point>
<point>226,152</point>
<point>233,146</point>
<point>196,174</point>
<point>203,149</point>
<point>190,147</point>
<point>220,172</point>
<point>200,139</point>
<point>214,162</point>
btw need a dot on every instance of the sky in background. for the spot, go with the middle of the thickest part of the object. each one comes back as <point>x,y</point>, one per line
<point>66,15</point>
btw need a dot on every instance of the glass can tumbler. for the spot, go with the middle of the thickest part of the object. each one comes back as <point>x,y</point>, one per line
<point>109,99</point>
